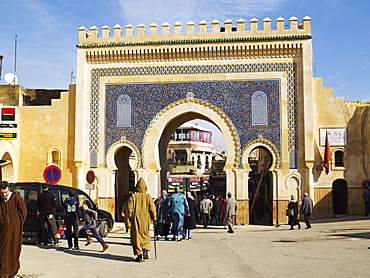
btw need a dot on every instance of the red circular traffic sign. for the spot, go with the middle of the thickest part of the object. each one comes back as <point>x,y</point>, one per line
<point>52,174</point>
<point>90,177</point>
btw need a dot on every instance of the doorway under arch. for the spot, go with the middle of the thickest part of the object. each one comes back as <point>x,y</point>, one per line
<point>124,179</point>
<point>189,159</point>
<point>196,161</point>
<point>260,186</point>
<point>165,123</point>
<point>340,196</point>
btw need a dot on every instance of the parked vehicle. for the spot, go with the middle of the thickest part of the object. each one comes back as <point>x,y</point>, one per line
<point>30,190</point>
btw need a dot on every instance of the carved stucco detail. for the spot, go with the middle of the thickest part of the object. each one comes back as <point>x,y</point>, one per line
<point>233,156</point>
<point>114,148</point>
<point>295,177</point>
<point>261,142</point>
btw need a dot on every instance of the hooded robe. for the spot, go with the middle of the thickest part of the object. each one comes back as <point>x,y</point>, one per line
<point>141,211</point>
<point>179,208</point>
<point>12,216</point>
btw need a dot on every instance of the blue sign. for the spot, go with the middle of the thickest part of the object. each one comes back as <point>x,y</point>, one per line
<point>52,174</point>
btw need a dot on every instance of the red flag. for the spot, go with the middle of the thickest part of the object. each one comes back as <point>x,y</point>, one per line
<point>327,154</point>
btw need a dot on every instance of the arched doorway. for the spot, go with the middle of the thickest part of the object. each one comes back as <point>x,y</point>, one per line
<point>260,186</point>
<point>6,168</point>
<point>157,135</point>
<point>340,196</point>
<point>179,149</point>
<point>124,179</point>
<point>188,158</point>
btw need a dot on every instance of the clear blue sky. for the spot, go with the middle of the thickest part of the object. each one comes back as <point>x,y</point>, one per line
<point>47,33</point>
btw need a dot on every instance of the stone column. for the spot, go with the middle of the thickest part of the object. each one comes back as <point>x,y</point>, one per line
<point>310,182</point>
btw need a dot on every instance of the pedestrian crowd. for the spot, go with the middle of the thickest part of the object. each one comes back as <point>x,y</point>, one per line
<point>175,215</point>
<point>178,215</point>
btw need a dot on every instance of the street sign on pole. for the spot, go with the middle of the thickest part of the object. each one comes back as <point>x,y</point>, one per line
<point>90,177</point>
<point>52,174</point>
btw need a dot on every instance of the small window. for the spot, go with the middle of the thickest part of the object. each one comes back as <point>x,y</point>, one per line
<point>259,108</point>
<point>339,158</point>
<point>207,163</point>
<point>124,111</point>
<point>65,194</point>
<point>54,157</point>
<point>293,159</point>
<point>199,163</point>
<point>82,198</point>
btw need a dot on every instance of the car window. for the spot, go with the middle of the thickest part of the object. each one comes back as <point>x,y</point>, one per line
<point>82,197</point>
<point>55,193</point>
<point>29,195</point>
<point>64,194</point>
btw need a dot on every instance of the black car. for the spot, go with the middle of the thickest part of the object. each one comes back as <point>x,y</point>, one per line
<point>30,190</point>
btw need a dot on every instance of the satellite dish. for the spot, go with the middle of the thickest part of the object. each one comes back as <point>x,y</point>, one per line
<point>10,78</point>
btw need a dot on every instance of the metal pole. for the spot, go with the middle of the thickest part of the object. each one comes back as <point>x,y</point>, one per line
<point>15,58</point>
<point>1,65</point>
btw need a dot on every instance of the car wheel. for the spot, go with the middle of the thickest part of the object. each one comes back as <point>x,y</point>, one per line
<point>103,228</point>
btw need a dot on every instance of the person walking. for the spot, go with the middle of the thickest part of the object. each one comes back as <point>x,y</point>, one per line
<point>90,216</point>
<point>178,209</point>
<point>366,197</point>
<point>141,211</point>
<point>190,221</point>
<point>72,215</point>
<point>223,217</point>
<point>205,207</point>
<point>126,219</point>
<point>231,208</point>
<point>163,222</point>
<point>46,205</point>
<point>13,212</point>
<point>216,209</point>
<point>293,219</point>
<point>306,209</point>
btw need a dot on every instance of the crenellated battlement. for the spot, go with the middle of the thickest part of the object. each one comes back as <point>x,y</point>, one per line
<point>213,33</point>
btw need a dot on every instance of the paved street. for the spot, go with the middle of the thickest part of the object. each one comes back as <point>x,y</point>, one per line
<point>338,247</point>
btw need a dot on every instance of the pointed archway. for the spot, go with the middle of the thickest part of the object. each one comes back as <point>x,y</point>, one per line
<point>162,126</point>
<point>6,168</point>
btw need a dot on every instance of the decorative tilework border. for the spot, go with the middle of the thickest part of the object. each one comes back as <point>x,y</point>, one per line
<point>231,98</point>
<point>289,68</point>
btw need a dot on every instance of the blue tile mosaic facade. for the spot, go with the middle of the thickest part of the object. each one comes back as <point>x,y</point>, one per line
<point>232,97</point>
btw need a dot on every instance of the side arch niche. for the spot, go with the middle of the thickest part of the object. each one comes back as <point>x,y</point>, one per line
<point>261,142</point>
<point>122,160</point>
<point>260,160</point>
<point>293,186</point>
<point>114,148</point>
<point>8,165</point>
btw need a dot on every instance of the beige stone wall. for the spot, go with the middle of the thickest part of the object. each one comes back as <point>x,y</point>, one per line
<point>44,128</point>
<point>358,150</point>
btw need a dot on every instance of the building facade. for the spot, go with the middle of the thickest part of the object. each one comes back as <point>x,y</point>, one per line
<point>135,87</point>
